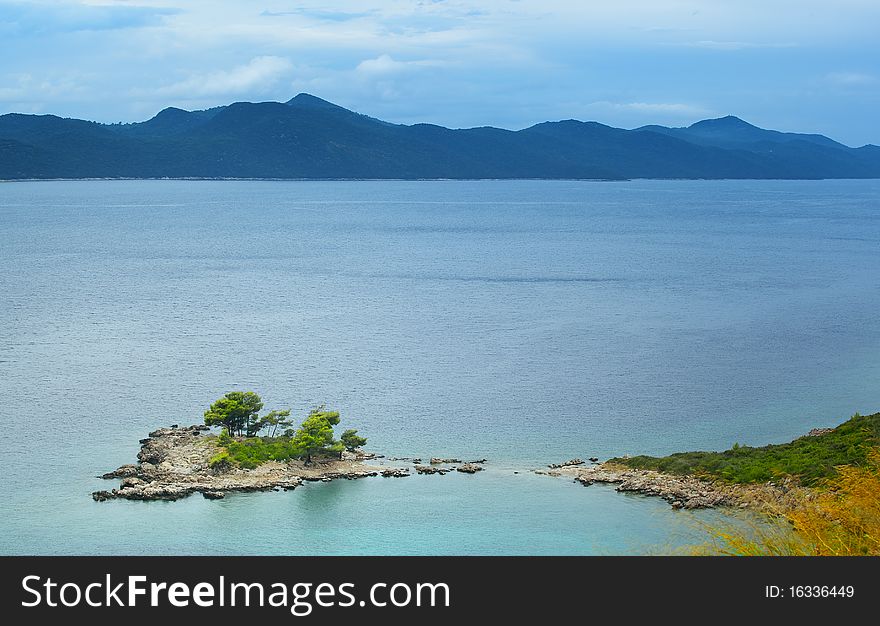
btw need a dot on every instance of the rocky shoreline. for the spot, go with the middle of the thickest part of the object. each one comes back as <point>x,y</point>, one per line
<point>682,492</point>
<point>175,462</point>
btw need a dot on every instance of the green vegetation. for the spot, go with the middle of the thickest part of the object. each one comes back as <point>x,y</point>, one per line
<point>351,440</point>
<point>810,459</point>
<point>840,517</point>
<point>237,413</point>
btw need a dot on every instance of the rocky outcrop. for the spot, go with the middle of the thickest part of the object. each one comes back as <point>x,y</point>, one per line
<point>570,463</point>
<point>682,492</point>
<point>430,469</point>
<point>818,432</point>
<point>395,472</point>
<point>469,468</point>
<point>438,461</point>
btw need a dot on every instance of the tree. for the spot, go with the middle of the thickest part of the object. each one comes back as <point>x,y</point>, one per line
<point>351,440</point>
<point>313,436</point>
<point>275,420</point>
<point>332,417</point>
<point>236,411</point>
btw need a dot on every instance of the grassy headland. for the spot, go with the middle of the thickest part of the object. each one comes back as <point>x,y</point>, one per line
<point>809,459</point>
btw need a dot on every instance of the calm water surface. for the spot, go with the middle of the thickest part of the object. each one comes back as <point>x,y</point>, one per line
<point>524,321</point>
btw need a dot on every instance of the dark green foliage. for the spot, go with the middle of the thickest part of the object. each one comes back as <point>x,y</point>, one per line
<point>351,440</point>
<point>314,437</point>
<point>251,452</point>
<point>810,459</point>
<point>236,412</point>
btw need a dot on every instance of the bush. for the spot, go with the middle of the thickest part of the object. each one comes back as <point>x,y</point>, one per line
<point>220,461</point>
<point>842,519</point>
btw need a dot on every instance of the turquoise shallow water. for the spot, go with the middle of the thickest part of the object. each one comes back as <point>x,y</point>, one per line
<point>523,321</point>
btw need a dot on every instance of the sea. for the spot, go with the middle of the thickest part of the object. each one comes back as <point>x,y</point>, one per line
<point>525,322</point>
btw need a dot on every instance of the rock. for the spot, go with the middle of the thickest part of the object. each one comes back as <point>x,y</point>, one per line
<point>130,481</point>
<point>417,461</point>
<point>427,469</point>
<point>395,472</point>
<point>570,463</point>
<point>686,492</point>
<point>477,462</point>
<point>437,461</point>
<point>594,459</point>
<point>213,495</point>
<point>818,432</point>
<point>123,471</point>
<point>469,468</point>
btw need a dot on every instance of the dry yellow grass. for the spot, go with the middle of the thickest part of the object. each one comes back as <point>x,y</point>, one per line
<point>839,518</point>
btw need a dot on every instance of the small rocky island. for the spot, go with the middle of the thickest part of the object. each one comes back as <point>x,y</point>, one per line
<point>178,461</point>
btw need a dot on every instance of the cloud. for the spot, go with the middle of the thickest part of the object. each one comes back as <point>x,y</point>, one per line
<point>851,79</point>
<point>665,108</point>
<point>384,64</point>
<point>260,74</point>
<point>39,18</point>
<point>735,45</point>
<point>28,93</point>
<point>320,14</point>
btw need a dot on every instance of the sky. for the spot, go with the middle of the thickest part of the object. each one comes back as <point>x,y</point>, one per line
<point>803,66</point>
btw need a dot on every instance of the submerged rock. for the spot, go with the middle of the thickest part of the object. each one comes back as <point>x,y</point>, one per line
<point>427,469</point>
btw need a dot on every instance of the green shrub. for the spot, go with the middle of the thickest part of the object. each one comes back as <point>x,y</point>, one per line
<point>220,461</point>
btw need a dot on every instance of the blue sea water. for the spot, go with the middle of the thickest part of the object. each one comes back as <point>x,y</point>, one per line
<point>523,321</point>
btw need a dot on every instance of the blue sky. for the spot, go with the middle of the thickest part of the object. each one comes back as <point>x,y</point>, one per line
<point>805,65</point>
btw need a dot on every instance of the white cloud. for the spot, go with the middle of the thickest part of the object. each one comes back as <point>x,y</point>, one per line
<point>25,88</point>
<point>384,64</point>
<point>260,74</point>
<point>665,108</point>
<point>735,45</point>
<point>851,79</point>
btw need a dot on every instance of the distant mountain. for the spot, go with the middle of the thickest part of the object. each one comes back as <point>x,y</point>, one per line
<point>307,137</point>
<point>732,132</point>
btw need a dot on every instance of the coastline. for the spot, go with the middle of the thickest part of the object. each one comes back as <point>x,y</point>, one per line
<point>174,463</point>
<point>681,492</point>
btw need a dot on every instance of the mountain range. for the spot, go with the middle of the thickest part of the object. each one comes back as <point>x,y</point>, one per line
<point>308,137</point>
